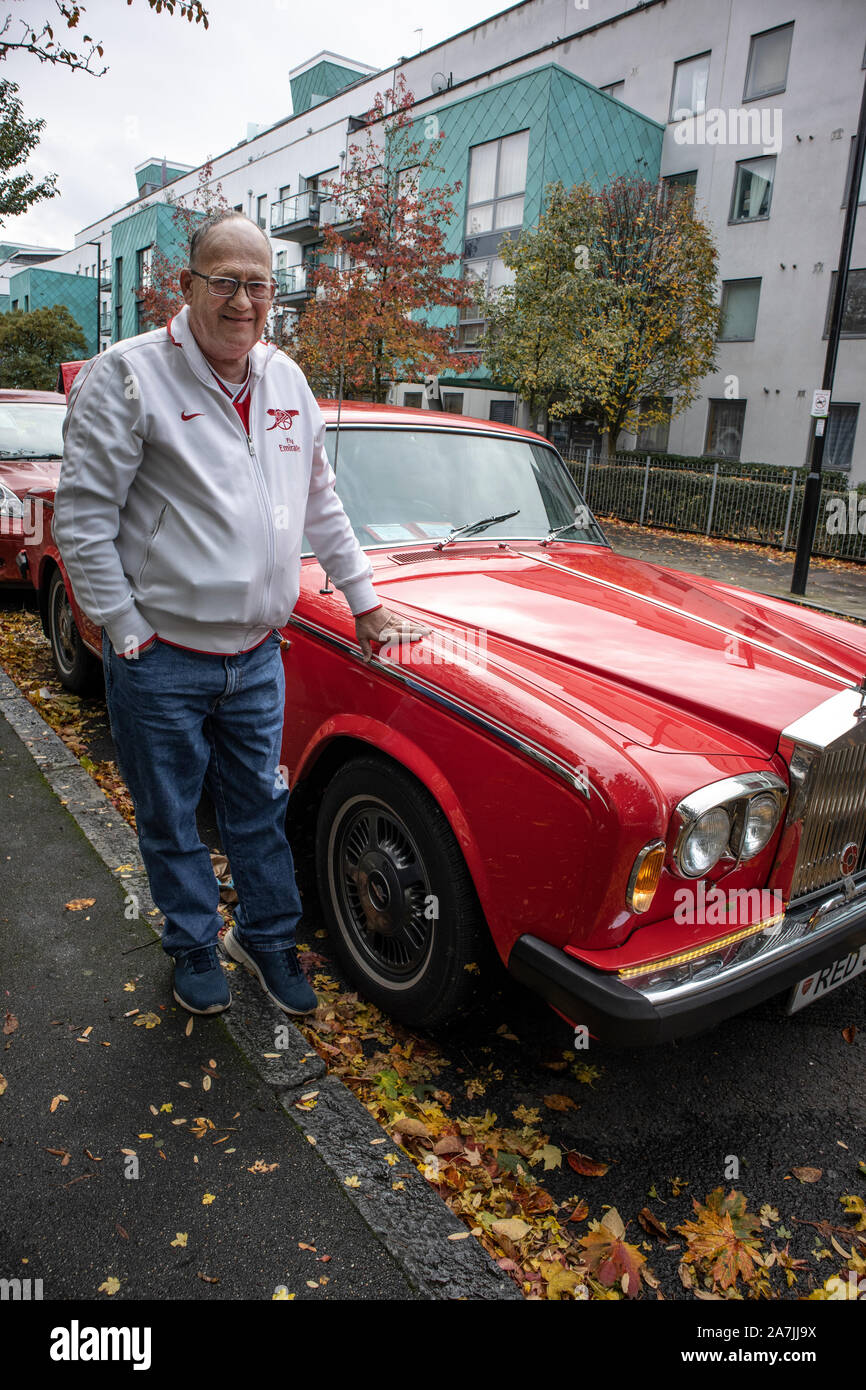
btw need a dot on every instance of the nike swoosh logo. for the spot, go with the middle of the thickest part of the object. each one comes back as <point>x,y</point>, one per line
<point>184,416</point>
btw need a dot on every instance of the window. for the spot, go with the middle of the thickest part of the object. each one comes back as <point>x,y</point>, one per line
<point>740,310</point>
<point>497,179</point>
<point>262,210</point>
<point>839,441</point>
<point>753,189</point>
<point>767,72</point>
<point>452,402</point>
<point>144,268</point>
<point>861,196</point>
<point>413,400</point>
<point>493,274</point>
<point>614,89</point>
<point>238,207</point>
<point>654,438</point>
<point>683,184</point>
<point>854,308</point>
<point>725,429</point>
<point>502,412</point>
<point>689,91</point>
<point>285,191</point>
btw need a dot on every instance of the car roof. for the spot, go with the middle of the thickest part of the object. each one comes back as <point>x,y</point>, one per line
<point>49,397</point>
<point>368,413</point>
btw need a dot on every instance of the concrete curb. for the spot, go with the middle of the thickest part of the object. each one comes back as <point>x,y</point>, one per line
<point>412,1223</point>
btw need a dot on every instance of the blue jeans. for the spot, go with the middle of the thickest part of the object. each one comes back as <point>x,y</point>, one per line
<point>184,720</point>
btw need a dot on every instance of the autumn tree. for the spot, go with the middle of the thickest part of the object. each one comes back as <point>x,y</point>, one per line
<point>44,38</point>
<point>52,39</point>
<point>32,343</point>
<point>160,298</point>
<point>18,137</point>
<point>382,269</point>
<point>612,309</point>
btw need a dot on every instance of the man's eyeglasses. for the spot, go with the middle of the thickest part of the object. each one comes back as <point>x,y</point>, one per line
<point>224,287</point>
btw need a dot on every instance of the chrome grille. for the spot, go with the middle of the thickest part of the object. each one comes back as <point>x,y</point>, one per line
<point>834,815</point>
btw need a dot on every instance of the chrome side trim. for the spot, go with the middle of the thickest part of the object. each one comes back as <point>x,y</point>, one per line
<point>574,777</point>
<point>693,617</point>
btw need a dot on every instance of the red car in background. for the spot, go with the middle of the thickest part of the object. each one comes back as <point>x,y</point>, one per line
<point>31,444</point>
<point>647,789</point>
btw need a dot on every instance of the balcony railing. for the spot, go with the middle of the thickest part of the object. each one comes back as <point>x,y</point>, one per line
<point>292,280</point>
<point>293,218</point>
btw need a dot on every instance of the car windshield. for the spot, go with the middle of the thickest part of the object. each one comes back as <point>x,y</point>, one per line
<point>410,485</point>
<point>31,430</point>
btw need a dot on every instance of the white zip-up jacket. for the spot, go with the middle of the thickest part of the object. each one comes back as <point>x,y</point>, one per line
<point>171,520</point>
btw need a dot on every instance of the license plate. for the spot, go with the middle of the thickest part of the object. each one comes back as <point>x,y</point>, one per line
<point>829,977</point>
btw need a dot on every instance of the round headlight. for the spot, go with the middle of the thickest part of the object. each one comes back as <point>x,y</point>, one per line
<point>705,843</point>
<point>762,817</point>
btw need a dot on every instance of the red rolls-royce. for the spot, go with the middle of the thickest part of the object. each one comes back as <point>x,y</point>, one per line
<point>645,791</point>
<point>31,444</point>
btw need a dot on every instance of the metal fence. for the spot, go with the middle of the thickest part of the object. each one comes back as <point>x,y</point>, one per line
<point>761,503</point>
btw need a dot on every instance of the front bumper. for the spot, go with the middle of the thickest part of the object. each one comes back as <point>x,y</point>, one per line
<point>626,1015</point>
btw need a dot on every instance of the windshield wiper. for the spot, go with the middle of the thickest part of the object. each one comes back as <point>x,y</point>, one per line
<point>474,528</point>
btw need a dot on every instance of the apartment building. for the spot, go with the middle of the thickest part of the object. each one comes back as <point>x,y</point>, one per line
<point>754,108</point>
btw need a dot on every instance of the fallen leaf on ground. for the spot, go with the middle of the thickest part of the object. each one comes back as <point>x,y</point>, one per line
<point>652,1225</point>
<point>724,1238</point>
<point>207,1199</point>
<point>110,1286</point>
<point>55,1102</point>
<point>611,1257</point>
<point>512,1229</point>
<point>807,1174</point>
<point>149,1020</point>
<point>180,1239</point>
<point>76,905</point>
<point>587,1167</point>
<point>10,1023</point>
<point>558,1102</point>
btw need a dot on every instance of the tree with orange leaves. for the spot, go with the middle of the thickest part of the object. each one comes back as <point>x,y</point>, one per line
<point>381,276</point>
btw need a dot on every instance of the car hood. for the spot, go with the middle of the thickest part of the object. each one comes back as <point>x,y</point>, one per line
<point>23,474</point>
<point>669,660</point>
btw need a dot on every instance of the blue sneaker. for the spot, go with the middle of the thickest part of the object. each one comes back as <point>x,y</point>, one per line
<point>279,973</point>
<point>199,982</point>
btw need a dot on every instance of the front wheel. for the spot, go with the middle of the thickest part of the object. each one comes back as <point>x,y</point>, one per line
<point>398,901</point>
<point>77,668</point>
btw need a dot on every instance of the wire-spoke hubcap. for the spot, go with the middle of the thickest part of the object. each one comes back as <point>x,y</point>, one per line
<point>382,887</point>
<point>64,628</point>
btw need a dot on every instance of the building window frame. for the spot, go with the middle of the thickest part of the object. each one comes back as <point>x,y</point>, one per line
<point>769,91</point>
<point>680,113</point>
<point>470,329</point>
<point>714,407</point>
<point>662,429</point>
<point>834,421</point>
<point>849,289</point>
<point>739,169</point>
<point>724,337</point>
<point>497,198</point>
<point>846,193</point>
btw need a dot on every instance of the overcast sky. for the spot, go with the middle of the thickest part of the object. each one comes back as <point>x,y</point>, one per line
<point>178,90</point>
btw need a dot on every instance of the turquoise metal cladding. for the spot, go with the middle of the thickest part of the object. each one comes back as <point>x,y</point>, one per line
<point>320,82</point>
<point>152,173</point>
<point>152,226</point>
<point>43,288</point>
<point>576,134</point>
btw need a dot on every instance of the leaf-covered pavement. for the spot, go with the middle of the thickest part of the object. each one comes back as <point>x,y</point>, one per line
<point>495,1118</point>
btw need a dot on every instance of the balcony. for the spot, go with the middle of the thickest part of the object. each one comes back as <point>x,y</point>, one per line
<point>297,219</point>
<point>293,285</point>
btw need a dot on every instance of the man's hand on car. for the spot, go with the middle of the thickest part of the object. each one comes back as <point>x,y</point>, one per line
<point>383,626</point>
